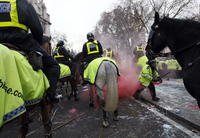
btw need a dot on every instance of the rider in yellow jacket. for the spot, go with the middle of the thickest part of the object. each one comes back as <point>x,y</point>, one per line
<point>109,53</point>
<point>17,17</point>
<point>147,78</point>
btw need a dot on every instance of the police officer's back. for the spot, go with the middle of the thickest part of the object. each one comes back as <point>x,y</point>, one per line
<point>16,18</point>
<point>62,55</point>
<point>92,49</point>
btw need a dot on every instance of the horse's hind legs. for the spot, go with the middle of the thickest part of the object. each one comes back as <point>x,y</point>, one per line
<point>91,102</point>
<point>46,119</point>
<point>115,115</point>
<point>75,95</point>
<point>24,125</point>
<point>105,122</point>
<point>198,102</point>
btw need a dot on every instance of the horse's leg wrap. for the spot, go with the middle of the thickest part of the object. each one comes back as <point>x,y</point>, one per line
<point>115,117</point>
<point>198,102</point>
<point>74,89</point>
<point>75,95</point>
<point>105,122</point>
<point>91,96</point>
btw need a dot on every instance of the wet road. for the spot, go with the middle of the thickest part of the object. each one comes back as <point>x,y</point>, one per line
<point>136,121</point>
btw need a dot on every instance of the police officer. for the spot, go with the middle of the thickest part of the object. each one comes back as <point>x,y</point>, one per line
<point>148,76</point>
<point>62,55</point>
<point>16,18</point>
<point>140,58</point>
<point>92,49</point>
<point>109,53</point>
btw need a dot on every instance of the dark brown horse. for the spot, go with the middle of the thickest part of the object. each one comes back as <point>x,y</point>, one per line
<point>68,79</point>
<point>73,84</point>
<point>45,112</point>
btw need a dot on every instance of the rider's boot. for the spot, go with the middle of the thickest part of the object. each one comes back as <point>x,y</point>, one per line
<point>52,96</point>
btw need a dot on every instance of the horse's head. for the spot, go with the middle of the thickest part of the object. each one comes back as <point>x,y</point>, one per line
<point>157,39</point>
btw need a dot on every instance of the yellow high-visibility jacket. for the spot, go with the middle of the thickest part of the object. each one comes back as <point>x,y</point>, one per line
<point>147,75</point>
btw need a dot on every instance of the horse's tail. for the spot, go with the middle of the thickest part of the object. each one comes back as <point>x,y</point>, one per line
<point>112,98</point>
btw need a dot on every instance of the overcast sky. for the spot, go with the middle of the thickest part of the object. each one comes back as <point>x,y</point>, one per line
<point>76,18</point>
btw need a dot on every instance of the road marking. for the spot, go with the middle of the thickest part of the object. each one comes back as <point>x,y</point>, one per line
<point>177,125</point>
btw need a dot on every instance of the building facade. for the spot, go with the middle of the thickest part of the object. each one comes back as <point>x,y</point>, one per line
<point>44,17</point>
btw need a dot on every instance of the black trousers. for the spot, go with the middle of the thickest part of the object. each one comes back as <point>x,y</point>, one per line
<point>27,43</point>
<point>151,88</point>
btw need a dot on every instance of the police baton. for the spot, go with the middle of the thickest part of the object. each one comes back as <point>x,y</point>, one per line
<point>165,74</point>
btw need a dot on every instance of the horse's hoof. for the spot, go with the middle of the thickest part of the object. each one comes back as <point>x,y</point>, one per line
<point>91,105</point>
<point>48,136</point>
<point>115,118</point>
<point>105,123</point>
<point>76,99</point>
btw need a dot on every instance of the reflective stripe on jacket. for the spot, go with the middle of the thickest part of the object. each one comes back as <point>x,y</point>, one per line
<point>173,64</point>
<point>90,72</point>
<point>142,61</point>
<point>146,75</point>
<point>109,53</point>
<point>9,15</point>
<point>57,55</point>
<point>92,47</point>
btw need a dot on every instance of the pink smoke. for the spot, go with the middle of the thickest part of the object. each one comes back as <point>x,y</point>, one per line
<point>128,80</point>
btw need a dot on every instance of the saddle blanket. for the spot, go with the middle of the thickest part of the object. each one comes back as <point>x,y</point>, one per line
<point>20,85</point>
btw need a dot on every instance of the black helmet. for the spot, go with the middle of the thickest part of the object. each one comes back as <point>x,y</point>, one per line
<point>90,36</point>
<point>60,43</point>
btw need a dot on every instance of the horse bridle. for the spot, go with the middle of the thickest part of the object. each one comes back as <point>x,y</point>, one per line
<point>150,53</point>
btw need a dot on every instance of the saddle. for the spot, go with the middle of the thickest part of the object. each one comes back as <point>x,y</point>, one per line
<point>34,57</point>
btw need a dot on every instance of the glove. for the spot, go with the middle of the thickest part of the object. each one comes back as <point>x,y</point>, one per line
<point>157,79</point>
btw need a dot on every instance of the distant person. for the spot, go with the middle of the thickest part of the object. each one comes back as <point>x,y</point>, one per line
<point>109,53</point>
<point>63,56</point>
<point>148,76</point>
<point>140,58</point>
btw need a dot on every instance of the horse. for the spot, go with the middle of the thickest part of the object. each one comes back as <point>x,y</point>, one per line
<point>106,75</point>
<point>73,84</point>
<point>65,76</point>
<point>182,37</point>
<point>23,92</point>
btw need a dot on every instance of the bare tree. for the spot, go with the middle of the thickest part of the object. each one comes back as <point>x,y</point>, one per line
<point>126,25</point>
<point>56,36</point>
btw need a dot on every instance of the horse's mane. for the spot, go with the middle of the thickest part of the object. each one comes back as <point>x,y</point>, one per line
<point>173,24</point>
<point>78,57</point>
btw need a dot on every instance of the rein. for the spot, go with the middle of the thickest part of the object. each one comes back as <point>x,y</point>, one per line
<point>154,55</point>
<point>186,48</point>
